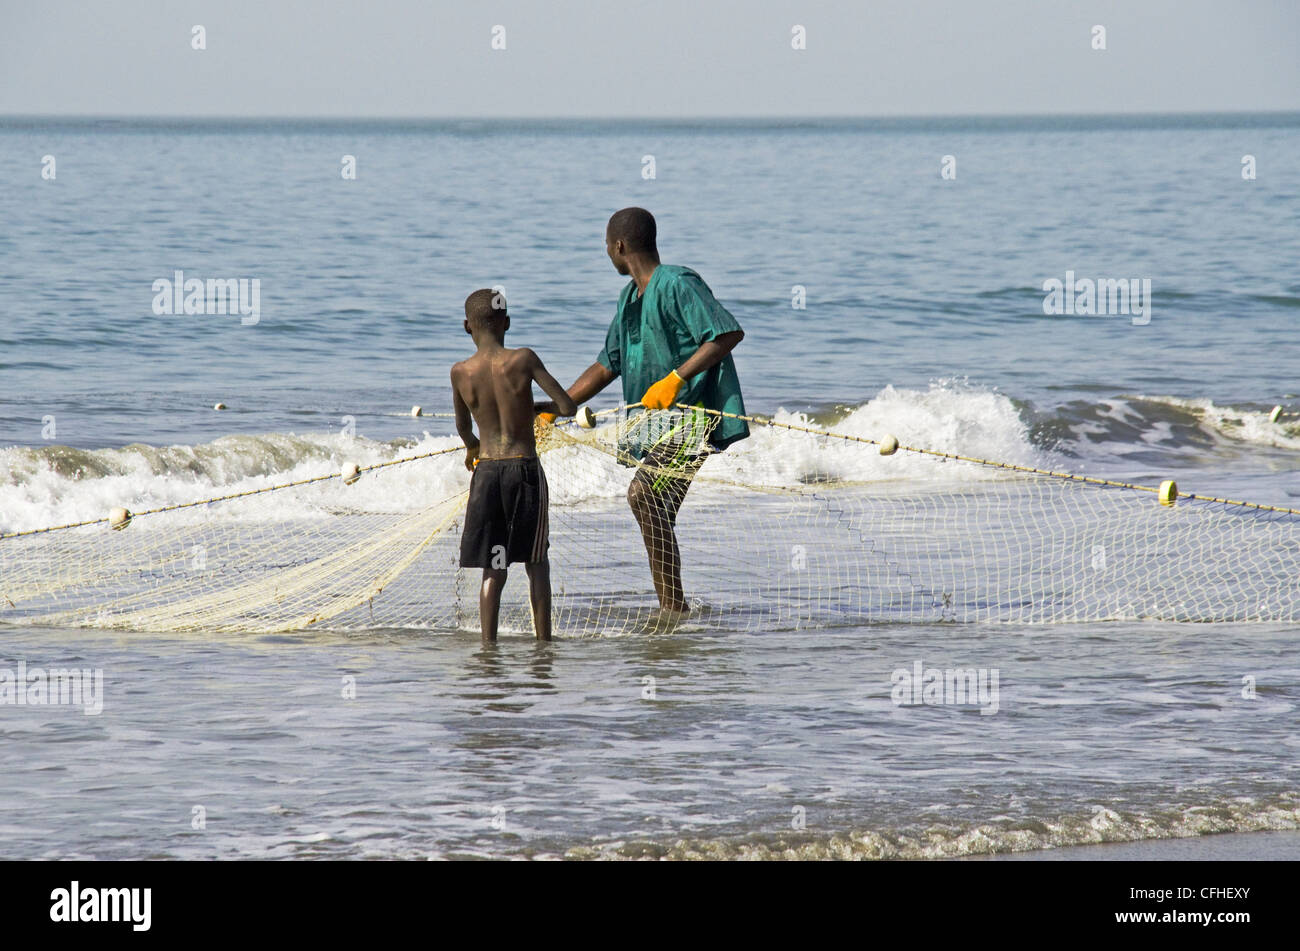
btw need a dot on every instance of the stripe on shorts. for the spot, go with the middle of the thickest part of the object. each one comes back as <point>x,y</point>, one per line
<point>543,516</point>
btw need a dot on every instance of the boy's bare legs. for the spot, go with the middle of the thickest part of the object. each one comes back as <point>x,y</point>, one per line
<point>539,593</point>
<point>489,601</point>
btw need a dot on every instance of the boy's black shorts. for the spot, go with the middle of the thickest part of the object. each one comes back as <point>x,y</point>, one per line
<point>506,518</point>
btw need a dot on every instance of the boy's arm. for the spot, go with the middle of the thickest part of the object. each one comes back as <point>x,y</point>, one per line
<point>464,424</point>
<point>560,403</point>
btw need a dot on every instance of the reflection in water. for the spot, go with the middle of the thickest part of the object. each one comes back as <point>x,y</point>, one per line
<point>560,746</point>
<point>508,679</point>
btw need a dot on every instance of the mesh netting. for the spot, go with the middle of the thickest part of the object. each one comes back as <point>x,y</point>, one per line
<point>943,540</point>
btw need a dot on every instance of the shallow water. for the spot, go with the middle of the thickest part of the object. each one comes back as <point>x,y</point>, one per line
<point>1102,733</point>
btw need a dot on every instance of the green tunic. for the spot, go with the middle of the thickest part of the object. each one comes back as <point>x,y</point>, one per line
<point>655,333</point>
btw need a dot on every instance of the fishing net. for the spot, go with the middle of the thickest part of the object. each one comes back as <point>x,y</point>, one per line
<point>806,528</point>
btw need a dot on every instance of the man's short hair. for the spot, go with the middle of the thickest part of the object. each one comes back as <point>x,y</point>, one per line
<point>485,306</point>
<point>636,227</point>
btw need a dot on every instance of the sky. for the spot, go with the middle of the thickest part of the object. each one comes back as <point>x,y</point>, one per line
<point>667,59</point>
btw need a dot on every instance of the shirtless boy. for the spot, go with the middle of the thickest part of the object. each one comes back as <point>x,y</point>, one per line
<point>506,518</point>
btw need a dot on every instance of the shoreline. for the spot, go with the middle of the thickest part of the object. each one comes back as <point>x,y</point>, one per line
<point>1268,846</point>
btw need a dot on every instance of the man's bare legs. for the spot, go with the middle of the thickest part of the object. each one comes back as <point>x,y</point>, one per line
<point>539,593</point>
<point>656,495</point>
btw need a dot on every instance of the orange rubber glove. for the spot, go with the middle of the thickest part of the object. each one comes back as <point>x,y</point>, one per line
<point>664,393</point>
<point>546,419</point>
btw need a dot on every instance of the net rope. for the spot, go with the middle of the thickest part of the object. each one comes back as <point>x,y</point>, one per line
<point>918,535</point>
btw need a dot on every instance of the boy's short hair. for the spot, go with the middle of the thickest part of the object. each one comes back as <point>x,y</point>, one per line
<point>485,306</point>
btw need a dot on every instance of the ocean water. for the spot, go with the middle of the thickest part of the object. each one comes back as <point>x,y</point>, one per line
<point>924,318</point>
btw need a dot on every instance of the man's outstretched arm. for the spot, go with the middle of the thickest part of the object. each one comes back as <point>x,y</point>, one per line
<point>594,379</point>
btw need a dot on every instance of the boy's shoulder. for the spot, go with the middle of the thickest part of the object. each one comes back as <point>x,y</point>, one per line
<point>506,360</point>
<point>510,352</point>
<point>522,355</point>
<point>517,360</point>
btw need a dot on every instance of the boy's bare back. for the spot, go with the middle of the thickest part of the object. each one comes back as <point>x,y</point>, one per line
<point>496,387</point>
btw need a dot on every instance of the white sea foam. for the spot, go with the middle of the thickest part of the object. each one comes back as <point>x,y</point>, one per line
<point>948,416</point>
<point>52,485</point>
<point>999,834</point>
<point>1251,427</point>
<point>56,485</point>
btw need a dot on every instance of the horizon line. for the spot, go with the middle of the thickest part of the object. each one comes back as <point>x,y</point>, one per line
<point>170,119</point>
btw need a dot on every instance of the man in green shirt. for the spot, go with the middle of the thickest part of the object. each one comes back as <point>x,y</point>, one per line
<point>671,342</point>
